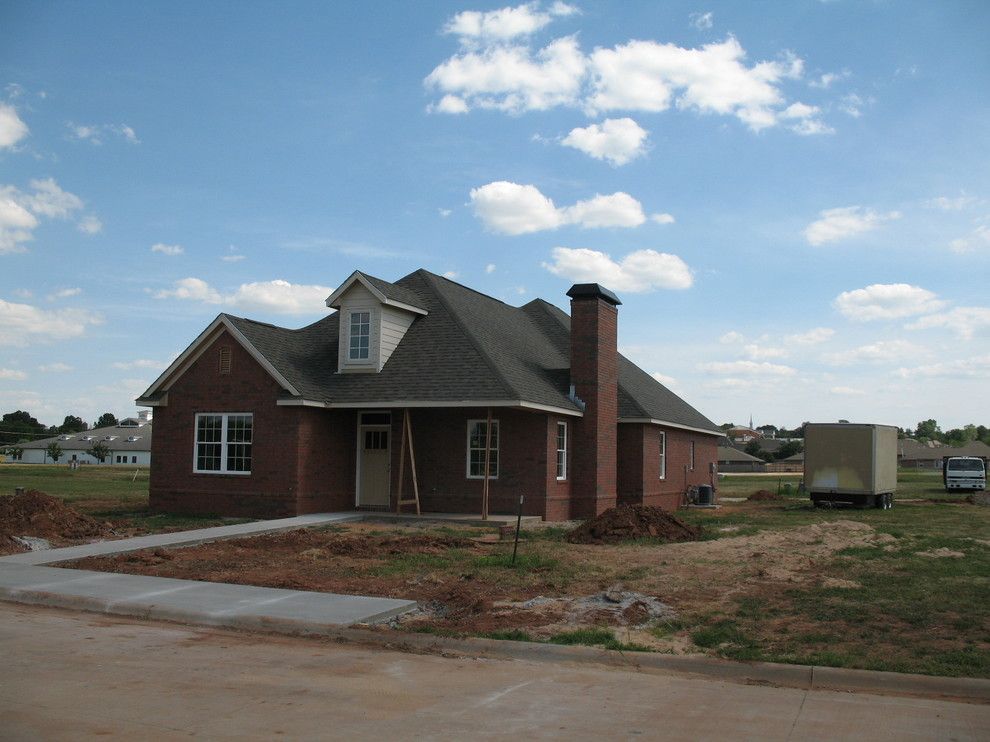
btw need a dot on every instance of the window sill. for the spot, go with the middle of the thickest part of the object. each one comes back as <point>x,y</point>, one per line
<point>223,473</point>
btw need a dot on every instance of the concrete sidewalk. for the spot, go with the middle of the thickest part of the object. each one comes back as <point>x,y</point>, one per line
<point>23,579</point>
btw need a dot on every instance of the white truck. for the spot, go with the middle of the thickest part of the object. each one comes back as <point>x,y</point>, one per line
<point>964,473</point>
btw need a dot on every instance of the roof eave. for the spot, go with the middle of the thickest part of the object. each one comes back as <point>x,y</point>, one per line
<point>669,424</point>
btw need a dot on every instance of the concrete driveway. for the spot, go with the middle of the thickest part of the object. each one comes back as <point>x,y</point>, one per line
<point>73,676</point>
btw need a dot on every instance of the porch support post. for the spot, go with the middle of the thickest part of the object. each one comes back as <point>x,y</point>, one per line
<point>488,459</point>
<point>412,457</point>
<point>402,463</point>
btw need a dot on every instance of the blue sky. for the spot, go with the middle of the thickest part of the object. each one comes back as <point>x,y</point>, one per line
<point>792,200</point>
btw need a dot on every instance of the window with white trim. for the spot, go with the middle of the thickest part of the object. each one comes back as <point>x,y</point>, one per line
<point>360,338</point>
<point>692,455</point>
<point>561,450</point>
<point>476,435</point>
<point>223,443</point>
<point>663,455</point>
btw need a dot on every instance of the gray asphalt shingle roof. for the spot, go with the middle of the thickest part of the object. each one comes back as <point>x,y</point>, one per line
<point>79,442</point>
<point>468,347</point>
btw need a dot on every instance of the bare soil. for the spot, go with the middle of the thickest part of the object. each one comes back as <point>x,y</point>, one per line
<point>627,522</point>
<point>464,583</point>
<point>36,514</point>
<point>764,495</point>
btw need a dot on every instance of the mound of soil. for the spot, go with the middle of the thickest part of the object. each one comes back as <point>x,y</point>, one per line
<point>633,521</point>
<point>34,513</point>
<point>761,495</point>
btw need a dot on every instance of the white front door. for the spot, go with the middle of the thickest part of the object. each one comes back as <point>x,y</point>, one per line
<point>373,466</point>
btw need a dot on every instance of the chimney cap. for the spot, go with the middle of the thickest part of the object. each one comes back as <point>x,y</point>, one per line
<point>593,291</point>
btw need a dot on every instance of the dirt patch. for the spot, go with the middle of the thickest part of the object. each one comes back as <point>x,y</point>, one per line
<point>764,495</point>
<point>36,514</point>
<point>941,553</point>
<point>627,522</point>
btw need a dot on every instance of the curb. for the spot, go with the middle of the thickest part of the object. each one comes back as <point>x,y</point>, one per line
<point>803,677</point>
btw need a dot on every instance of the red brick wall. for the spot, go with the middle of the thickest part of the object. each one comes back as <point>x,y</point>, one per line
<point>272,487</point>
<point>639,464</point>
<point>594,373</point>
<point>326,460</point>
<point>440,442</point>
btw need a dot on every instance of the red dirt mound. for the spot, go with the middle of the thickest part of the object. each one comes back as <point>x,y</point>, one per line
<point>762,495</point>
<point>633,521</point>
<point>34,513</point>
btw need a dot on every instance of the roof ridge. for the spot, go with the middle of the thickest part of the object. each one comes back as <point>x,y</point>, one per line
<point>466,288</point>
<point>467,333</point>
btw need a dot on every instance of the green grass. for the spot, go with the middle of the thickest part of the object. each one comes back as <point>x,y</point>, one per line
<point>117,494</point>
<point>596,637</point>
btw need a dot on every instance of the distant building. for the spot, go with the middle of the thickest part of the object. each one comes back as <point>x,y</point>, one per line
<point>913,454</point>
<point>733,460</point>
<point>129,442</point>
<point>741,434</point>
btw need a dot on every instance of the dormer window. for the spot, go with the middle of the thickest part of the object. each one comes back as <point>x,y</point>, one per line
<point>360,337</point>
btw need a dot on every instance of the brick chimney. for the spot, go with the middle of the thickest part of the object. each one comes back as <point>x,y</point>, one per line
<point>595,375</point>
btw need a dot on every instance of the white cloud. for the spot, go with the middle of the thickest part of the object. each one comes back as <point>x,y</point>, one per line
<point>617,210</point>
<point>702,21</point>
<point>510,78</point>
<point>811,337</point>
<point>490,268</point>
<point>65,293</point>
<point>825,81</point>
<point>21,211</point>
<point>12,128</point>
<point>759,352</point>
<point>731,338</point>
<point>501,25</point>
<point>852,105</point>
<point>978,238</point>
<point>616,140</point>
<point>232,258</point>
<point>649,76</point>
<point>667,381</point>
<point>951,203</point>
<point>90,225</point>
<point>639,271</point>
<point>848,221</point>
<point>967,368</point>
<point>663,218</point>
<point>164,249</point>
<point>512,208</point>
<point>887,301</point>
<point>846,391</point>
<point>807,119</point>
<point>444,213</point>
<point>192,289</point>
<point>55,368</point>
<point>498,69</point>
<point>964,322</point>
<point>747,368</point>
<point>95,133</point>
<point>24,324</point>
<point>9,374</point>
<point>140,363</point>
<point>450,275</point>
<point>883,351</point>
<point>277,296</point>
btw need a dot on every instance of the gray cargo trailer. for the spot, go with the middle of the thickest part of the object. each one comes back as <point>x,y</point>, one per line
<point>850,464</point>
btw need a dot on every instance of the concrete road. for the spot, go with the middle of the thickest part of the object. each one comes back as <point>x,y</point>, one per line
<point>67,675</point>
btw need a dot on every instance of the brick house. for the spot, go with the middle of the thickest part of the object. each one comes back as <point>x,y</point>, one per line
<point>258,420</point>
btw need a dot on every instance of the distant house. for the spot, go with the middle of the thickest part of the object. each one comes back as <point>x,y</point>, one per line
<point>733,460</point>
<point>129,443</point>
<point>793,463</point>
<point>260,420</point>
<point>913,454</point>
<point>741,434</point>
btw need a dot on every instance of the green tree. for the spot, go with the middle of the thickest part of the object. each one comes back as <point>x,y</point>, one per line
<point>928,430</point>
<point>54,451</point>
<point>73,424</point>
<point>20,426</point>
<point>107,420</point>
<point>753,448</point>
<point>787,450</point>
<point>99,451</point>
<point>15,452</point>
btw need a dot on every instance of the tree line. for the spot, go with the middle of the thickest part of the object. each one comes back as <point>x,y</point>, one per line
<point>924,431</point>
<point>22,427</point>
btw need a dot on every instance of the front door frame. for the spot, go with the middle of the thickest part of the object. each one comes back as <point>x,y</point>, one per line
<point>361,428</point>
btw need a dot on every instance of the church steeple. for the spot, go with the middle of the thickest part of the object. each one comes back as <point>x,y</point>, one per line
<point>751,421</point>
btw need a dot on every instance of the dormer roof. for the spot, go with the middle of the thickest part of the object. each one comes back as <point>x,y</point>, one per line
<point>387,293</point>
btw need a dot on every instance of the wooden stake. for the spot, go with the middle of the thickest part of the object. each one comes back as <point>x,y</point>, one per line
<point>407,435</point>
<point>488,458</point>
